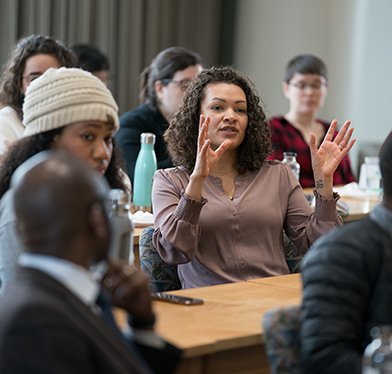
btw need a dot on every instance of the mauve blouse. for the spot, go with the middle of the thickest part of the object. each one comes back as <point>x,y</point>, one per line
<point>217,240</point>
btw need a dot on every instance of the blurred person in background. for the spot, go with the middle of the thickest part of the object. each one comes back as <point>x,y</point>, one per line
<point>30,58</point>
<point>91,59</point>
<point>306,88</point>
<point>162,87</point>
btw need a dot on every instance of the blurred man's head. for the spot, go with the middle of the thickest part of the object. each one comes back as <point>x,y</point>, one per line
<point>60,207</point>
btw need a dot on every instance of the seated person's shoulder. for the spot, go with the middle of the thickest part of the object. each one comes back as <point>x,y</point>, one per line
<point>346,245</point>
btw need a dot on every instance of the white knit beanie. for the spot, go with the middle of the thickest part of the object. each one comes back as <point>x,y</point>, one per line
<point>63,96</point>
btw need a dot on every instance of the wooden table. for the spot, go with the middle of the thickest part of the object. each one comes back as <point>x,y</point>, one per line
<point>224,335</point>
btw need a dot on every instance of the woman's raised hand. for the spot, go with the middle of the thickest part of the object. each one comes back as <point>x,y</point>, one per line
<point>326,158</point>
<point>206,159</point>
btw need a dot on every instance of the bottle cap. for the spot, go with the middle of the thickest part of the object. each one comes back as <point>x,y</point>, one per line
<point>147,138</point>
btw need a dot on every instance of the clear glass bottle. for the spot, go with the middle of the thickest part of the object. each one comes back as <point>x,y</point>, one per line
<point>373,176</point>
<point>146,166</point>
<point>290,158</point>
<point>377,358</point>
<point>121,245</point>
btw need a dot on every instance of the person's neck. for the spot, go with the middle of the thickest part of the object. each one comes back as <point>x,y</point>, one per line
<point>163,112</point>
<point>226,164</point>
<point>303,120</point>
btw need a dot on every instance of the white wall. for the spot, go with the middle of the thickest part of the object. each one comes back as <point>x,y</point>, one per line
<point>353,37</point>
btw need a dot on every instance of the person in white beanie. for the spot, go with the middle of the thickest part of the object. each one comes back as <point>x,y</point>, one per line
<point>66,109</point>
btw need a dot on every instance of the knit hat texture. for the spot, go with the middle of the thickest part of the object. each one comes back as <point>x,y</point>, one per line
<point>63,96</point>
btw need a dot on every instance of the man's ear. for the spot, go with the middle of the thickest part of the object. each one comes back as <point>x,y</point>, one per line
<point>98,220</point>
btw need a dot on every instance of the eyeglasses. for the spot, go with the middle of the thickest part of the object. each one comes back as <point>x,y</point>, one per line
<point>314,86</point>
<point>184,83</point>
<point>32,76</point>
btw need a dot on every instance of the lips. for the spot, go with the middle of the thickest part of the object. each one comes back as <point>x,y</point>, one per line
<point>229,129</point>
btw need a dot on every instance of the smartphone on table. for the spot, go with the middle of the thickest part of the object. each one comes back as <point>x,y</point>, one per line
<point>162,296</point>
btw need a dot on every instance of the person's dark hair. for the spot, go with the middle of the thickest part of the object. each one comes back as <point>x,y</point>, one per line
<point>11,81</point>
<point>90,58</point>
<point>164,66</point>
<point>181,136</point>
<point>24,148</point>
<point>305,64</point>
<point>386,167</point>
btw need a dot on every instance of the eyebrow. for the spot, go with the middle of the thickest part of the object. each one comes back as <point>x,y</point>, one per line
<point>224,101</point>
<point>98,126</point>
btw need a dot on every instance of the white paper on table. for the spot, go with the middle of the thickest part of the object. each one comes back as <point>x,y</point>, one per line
<point>141,218</point>
<point>351,190</point>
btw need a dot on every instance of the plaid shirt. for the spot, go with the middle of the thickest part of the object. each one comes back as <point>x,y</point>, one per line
<point>286,138</point>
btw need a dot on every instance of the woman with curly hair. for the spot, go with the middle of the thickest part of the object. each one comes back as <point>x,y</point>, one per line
<point>31,57</point>
<point>64,109</point>
<point>220,214</point>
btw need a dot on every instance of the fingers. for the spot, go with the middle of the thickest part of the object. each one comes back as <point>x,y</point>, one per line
<point>343,133</point>
<point>331,131</point>
<point>120,279</point>
<point>312,144</point>
<point>203,131</point>
<point>222,148</point>
<point>343,138</point>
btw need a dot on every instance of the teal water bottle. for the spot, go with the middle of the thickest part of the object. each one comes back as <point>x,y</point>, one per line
<point>146,165</point>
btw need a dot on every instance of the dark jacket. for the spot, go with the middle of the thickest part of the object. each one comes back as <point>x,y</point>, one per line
<point>347,290</point>
<point>44,328</point>
<point>132,124</point>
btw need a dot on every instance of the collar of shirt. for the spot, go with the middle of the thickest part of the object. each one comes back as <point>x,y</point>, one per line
<point>383,217</point>
<point>75,278</point>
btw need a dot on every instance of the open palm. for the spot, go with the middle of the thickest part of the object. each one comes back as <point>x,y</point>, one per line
<point>326,158</point>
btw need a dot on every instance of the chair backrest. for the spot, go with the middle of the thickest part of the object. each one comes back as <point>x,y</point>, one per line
<point>282,339</point>
<point>162,276</point>
<point>293,255</point>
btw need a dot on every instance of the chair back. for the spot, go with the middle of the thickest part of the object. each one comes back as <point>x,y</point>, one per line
<point>293,255</point>
<point>162,276</point>
<point>282,339</point>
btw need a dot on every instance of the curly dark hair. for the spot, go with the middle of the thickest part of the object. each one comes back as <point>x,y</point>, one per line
<point>11,81</point>
<point>24,148</point>
<point>181,136</point>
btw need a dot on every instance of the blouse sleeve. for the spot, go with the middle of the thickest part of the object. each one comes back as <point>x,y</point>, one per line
<point>176,218</point>
<point>304,228</point>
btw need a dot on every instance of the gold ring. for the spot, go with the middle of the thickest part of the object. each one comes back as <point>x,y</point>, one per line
<point>341,148</point>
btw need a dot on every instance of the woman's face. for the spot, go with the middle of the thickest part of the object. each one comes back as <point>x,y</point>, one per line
<point>306,92</point>
<point>170,95</point>
<point>91,141</point>
<point>35,67</point>
<point>227,108</point>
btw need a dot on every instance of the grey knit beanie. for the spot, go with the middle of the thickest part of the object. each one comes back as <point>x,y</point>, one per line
<point>63,96</point>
